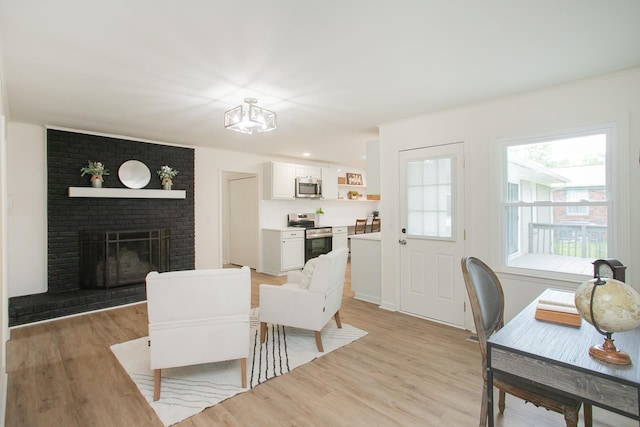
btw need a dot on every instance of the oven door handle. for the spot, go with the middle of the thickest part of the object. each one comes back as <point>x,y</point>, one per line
<point>319,237</point>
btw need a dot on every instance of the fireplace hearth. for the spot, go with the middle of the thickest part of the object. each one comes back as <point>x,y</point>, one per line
<point>118,258</point>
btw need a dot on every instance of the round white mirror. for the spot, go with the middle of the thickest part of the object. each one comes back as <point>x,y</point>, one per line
<point>134,174</point>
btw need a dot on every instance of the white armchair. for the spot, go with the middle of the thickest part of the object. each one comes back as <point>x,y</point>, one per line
<point>198,316</point>
<point>295,305</point>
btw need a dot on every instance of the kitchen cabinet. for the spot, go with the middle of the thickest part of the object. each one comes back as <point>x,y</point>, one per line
<point>306,171</point>
<point>329,184</point>
<point>340,237</point>
<point>279,181</point>
<point>365,267</point>
<point>283,251</point>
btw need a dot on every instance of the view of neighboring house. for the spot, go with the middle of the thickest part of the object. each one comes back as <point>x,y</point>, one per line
<point>559,211</point>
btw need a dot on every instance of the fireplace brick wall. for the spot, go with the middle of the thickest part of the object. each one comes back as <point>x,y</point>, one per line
<point>67,152</point>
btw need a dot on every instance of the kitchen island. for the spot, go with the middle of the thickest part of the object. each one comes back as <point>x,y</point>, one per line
<point>365,266</point>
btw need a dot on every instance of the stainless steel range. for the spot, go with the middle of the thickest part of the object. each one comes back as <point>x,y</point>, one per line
<point>318,240</point>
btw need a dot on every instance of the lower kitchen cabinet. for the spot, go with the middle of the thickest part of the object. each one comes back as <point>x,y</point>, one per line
<point>365,267</point>
<point>283,251</point>
<point>340,237</point>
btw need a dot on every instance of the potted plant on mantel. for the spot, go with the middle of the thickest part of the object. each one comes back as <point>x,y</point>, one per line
<point>167,174</point>
<point>96,170</point>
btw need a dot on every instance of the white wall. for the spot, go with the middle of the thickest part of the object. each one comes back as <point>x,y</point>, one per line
<point>27,218</point>
<point>4,277</point>
<point>481,127</point>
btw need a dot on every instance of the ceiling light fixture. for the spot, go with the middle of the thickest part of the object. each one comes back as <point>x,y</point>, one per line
<point>247,118</point>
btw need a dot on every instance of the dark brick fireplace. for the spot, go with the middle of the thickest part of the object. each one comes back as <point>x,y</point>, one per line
<point>69,217</point>
<point>109,259</point>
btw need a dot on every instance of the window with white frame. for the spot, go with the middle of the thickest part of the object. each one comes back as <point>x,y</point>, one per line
<point>577,195</point>
<point>556,201</point>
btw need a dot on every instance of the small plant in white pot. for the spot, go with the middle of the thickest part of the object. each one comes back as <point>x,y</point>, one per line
<point>167,174</point>
<point>319,215</point>
<point>96,170</point>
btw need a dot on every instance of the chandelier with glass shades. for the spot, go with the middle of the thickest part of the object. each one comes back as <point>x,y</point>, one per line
<point>247,118</point>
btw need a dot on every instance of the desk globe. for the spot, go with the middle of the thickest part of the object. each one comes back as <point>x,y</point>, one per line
<point>610,306</point>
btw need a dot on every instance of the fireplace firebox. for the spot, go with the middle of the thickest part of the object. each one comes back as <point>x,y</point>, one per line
<point>117,258</point>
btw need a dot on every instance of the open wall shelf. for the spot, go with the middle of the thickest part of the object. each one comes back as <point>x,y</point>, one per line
<point>126,193</point>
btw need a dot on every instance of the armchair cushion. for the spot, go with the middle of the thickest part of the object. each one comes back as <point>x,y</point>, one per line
<point>307,272</point>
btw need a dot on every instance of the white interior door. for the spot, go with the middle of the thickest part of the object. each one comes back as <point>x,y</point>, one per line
<point>243,221</point>
<point>432,233</point>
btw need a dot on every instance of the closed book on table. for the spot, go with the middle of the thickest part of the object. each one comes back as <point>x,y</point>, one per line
<point>558,307</point>
<point>558,317</point>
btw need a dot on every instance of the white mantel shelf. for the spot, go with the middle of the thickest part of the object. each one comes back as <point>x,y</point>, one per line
<point>126,193</point>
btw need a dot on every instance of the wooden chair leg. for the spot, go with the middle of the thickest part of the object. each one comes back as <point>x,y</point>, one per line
<point>337,319</point>
<point>243,370</point>
<point>156,384</point>
<point>588,415</point>
<point>263,331</point>
<point>571,417</point>
<point>319,341</point>
<point>483,408</point>
<point>501,397</point>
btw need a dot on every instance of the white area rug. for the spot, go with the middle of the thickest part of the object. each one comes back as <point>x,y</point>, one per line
<point>189,390</point>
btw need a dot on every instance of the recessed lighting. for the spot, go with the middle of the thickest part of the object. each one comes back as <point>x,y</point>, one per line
<point>306,154</point>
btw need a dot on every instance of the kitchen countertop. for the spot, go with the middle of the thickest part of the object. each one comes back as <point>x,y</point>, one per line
<point>283,229</point>
<point>298,228</point>
<point>365,236</point>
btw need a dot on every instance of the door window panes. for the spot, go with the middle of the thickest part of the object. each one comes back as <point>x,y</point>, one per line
<point>429,195</point>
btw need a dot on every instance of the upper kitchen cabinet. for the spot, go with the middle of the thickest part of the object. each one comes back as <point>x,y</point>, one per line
<point>306,171</point>
<point>279,181</point>
<point>373,167</point>
<point>329,184</point>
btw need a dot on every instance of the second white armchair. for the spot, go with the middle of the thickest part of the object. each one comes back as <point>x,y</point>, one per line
<point>307,305</point>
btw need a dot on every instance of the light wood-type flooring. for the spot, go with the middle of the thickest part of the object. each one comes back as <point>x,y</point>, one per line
<point>406,372</point>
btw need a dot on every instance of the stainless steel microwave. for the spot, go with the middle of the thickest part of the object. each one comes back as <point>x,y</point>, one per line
<point>310,188</point>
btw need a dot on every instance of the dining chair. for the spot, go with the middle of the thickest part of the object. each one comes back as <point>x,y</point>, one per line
<point>375,225</point>
<point>487,304</point>
<point>361,226</point>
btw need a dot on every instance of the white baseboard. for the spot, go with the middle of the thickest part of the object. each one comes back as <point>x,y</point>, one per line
<point>3,395</point>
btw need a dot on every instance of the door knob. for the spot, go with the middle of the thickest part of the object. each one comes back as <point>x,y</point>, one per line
<point>402,242</point>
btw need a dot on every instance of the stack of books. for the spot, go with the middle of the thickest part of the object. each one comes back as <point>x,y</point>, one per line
<point>558,307</point>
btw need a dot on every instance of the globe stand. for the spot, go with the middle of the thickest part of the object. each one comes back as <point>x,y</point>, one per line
<point>607,352</point>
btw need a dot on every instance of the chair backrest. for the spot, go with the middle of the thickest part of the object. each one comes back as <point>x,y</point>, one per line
<point>361,226</point>
<point>486,298</point>
<point>198,294</point>
<point>329,272</point>
<point>375,225</point>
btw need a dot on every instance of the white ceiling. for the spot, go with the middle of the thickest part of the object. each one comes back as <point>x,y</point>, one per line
<point>333,70</point>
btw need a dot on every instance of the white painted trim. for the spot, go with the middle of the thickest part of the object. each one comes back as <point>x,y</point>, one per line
<point>110,135</point>
<point>616,126</point>
<point>126,193</point>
